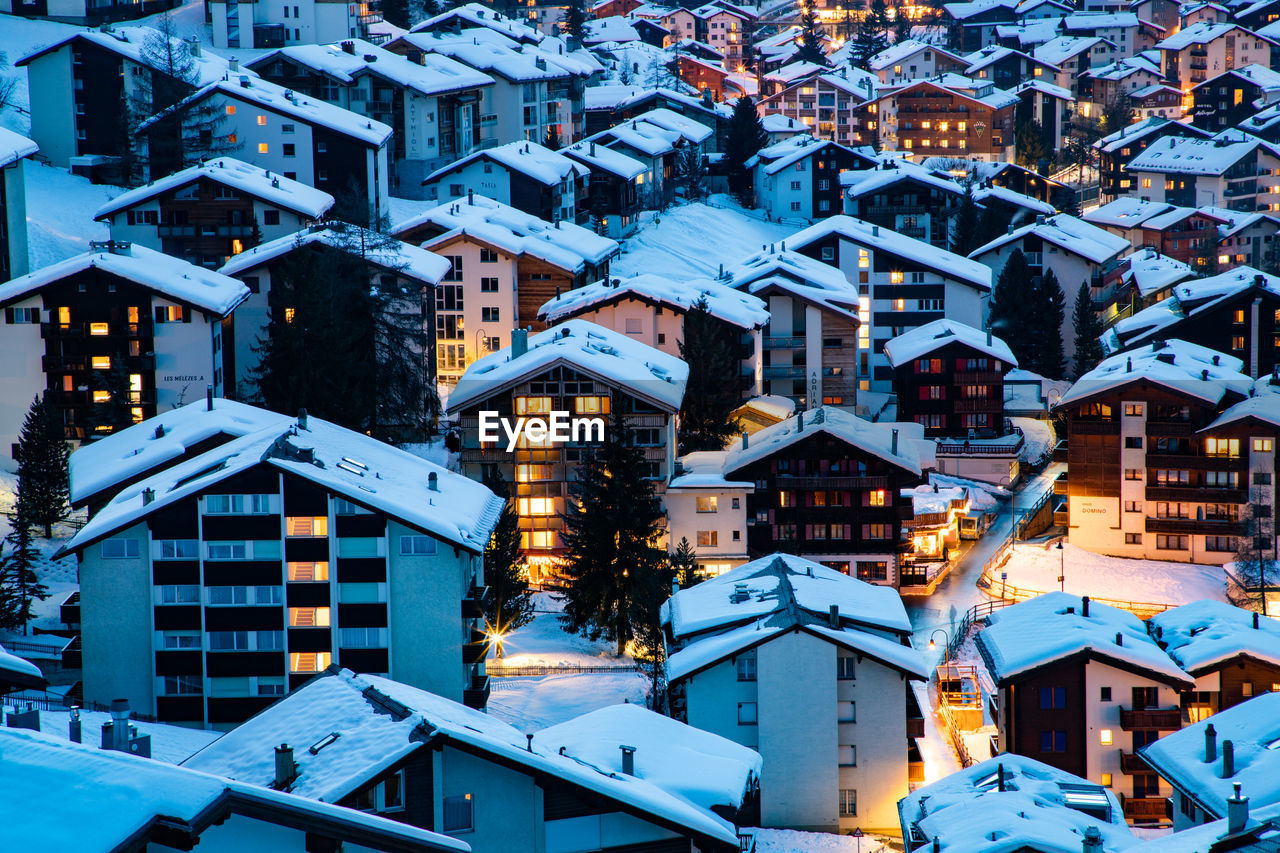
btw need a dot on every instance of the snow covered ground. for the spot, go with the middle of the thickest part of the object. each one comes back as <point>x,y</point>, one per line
<point>695,239</point>
<point>792,841</point>
<point>1036,566</point>
<point>544,643</point>
<point>1038,439</point>
<point>60,209</point>
<point>983,497</point>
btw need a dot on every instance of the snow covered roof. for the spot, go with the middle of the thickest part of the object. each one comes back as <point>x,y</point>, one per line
<point>18,673</point>
<point>1045,87</point>
<point>1203,635</point>
<point>1253,727</point>
<point>933,336</point>
<point>1067,233</point>
<point>649,139</point>
<point>170,743</point>
<point>563,244</point>
<point>779,123</point>
<point>598,156</point>
<point>987,194</point>
<point>613,28</point>
<point>1059,50</point>
<point>1179,366</point>
<point>947,264</point>
<point>704,469</point>
<point>491,52</point>
<point>1194,156</point>
<point>378,249</point>
<point>991,54</point>
<point>1134,132</point>
<point>612,356</point>
<point>437,75</point>
<point>1188,298</point>
<point>974,89</point>
<point>379,722</point>
<point>361,469</point>
<point>1201,32</point>
<point>241,176</point>
<point>1151,272</point>
<point>691,129</point>
<point>528,158</point>
<point>132,43</point>
<point>1041,631</point>
<point>730,305</point>
<point>617,96</point>
<point>1126,212</point>
<point>1260,75</point>
<point>779,584</point>
<point>1011,803</point>
<point>900,51</point>
<point>75,797</point>
<point>478,15</point>
<point>862,182</point>
<point>1264,407</point>
<point>963,11</point>
<point>14,146</point>
<point>788,152</point>
<point>1261,832</point>
<point>1099,21</point>
<point>171,278</point>
<point>798,275</point>
<point>157,442</point>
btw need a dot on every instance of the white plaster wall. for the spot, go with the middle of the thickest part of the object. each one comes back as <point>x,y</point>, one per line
<point>116,624</point>
<point>667,324</point>
<point>1101,715</point>
<point>711,702</point>
<point>21,376</point>
<point>684,520</point>
<point>184,359</point>
<point>15,195</point>
<point>53,114</point>
<point>880,735</point>
<point>496,184</point>
<point>506,804</point>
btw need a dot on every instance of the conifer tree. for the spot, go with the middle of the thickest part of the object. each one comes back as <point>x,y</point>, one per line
<point>42,454</point>
<point>508,605</point>
<point>684,564</point>
<point>551,140</point>
<point>574,20</point>
<point>1028,140</point>
<point>809,41</point>
<point>964,225</point>
<point>901,24</point>
<point>1088,329</point>
<point>691,176</point>
<point>746,137</point>
<point>1011,306</point>
<point>869,40</point>
<point>879,15</point>
<point>649,593</point>
<point>20,587</point>
<point>710,347</point>
<point>1047,313</point>
<point>396,13</point>
<point>611,526</point>
<point>993,222</point>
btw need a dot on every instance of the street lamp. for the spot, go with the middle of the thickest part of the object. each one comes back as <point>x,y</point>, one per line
<point>945,638</point>
<point>1062,567</point>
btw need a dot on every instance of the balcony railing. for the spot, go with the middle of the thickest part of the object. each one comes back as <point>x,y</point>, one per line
<point>477,695</point>
<point>1214,526</point>
<point>784,373</point>
<point>1130,764</point>
<point>81,330</point>
<point>476,650</point>
<point>802,483</point>
<point>1196,493</point>
<point>1146,809</point>
<point>791,342</point>
<point>473,604</point>
<point>981,377</point>
<point>1165,719</point>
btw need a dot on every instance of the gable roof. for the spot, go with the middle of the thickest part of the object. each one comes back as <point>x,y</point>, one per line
<point>1196,156</point>
<point>241,176</point>
<point>528,158</point>
<point>1188,298</point>
<point>478,15</point>
<point>1181,367</point>
<point>132,44</point>
<point>437,75</point>
<point>491,52</point>
<point>1151,272</point>
<point>598,156</point>
<point>730,305</point>
<point>169,277</point>
<point>1203,635</point>
<point>14,146</point>
<point>1148,126</point>
<point>378,249</point>
<point>931,337</point>
<point>1067,233</point>
<point>799,276</point>
<point>774,158</point>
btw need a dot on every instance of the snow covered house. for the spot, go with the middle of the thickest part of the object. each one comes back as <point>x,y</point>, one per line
<point>1197,52</point>
<point>1116,150</point>
<point>1024,803</point>
<point>810,469</point>
<point>1146,277</point>
<point>14,151</point>
<point>504,264</point>
<point>266,25</point>
<point>468,18</point>
<point>208,213</point>
<point>905,197</point>
<point>827,101</point>
<point>1082,687</point>
<point>813,670</point>
<point>657,145</point>
<point>949,115</point>
<point>580,368</point>
<point>800,177</point>
<point>1184,234</point>
<point>709,510</point>
<point>614,196</point>
<point>75,797</point>
<point>524,175</point>
<point>607,106</point>
<point>913,60</point>
<point>1212,762</point>
<point>303,138</point>
<point>214,586</point>
<point>1194,172</point>
<point>423,760</point>
<point>393,265</point>
<point>902,283</point>
<point>1145,480</point>
<point>18,674</point>
<point>432,99</point>
<point>1224,100</point>
<point>110,337</point>
<point>651,308</point>
<point>810,344</point>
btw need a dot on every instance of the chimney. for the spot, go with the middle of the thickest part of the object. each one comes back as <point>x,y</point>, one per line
<point>115,735</point>
<point>233,64</point>
<point>875,230</point>
<point>471,196</point>
<point>800,421</point>
<point>988,336</point>
<point>349,47</point>
<point>160,434</point>
<point>286,769</point>
<point>208,398</point>
<point>833,616</point>
<point>706,97</point>
<point>1092,840</point>
<point>744,441</point>
<point>1228,759</point>
<point>194,44</point>
<point>628,760</point>
<point>1084,607</point>
<point>1000,776</point>
<point>73,729</point>
<point>519,342</point>
<point>433,482</point>
<point>302,418</point>
<point>528,742</point>
<point>893,444</point>
<point>1237,812</point>
<point>148,495</point>
<point>1255,620</point>
<point>1119,639</point>
<point>1210,744</point>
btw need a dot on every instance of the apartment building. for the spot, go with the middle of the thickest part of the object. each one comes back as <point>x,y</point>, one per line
<point>905,197</point>
<point>709,511</point>
<point>1224,100</point>
<point>213,587</point>
<point>614,196</point>
<point>1116,150</point>
<point>110,337</point>
<point>1082,687</point>
<point>829,488</point>
<point>1075,57</point>
<point>577,367</point>
<point>1148,480</point>
<point>813,670</point>
<point>947,116</point>
<point>14,151</point>
<point>269,24</point>
<point>1219,172</point>
<point>610,105</point>
<point>799,178</point>
<point>909,60</point>
<point>523,175</point>
<point>826,102</point>
<point>1004,67</point>
<point>1203,50</point>
<point>208,213</point>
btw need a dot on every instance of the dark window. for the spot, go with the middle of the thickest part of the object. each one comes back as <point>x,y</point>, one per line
<point>1054,741</point>
<point>1053,697</point>
<point>270,217</point>
<point>1105,694</point>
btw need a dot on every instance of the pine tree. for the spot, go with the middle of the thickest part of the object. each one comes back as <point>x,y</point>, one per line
<point>901,25</point>
<point>1029,144</point>
<point>508,605</point>
<point>879,15</point>
<point>1118,113</point>
<point>611,526</point>
<point>1012,304</point>
<point>746,137</point>
<point>42,454</point>
<point>552,140</point>
<point>809,41</point>
<point>1067,201</point>
<point>710,347</point>
<point>649,644</point>
<point>868,41</point>
<point>1047,314</point>
<point>1271,259</point>
<point>965,236</point>
<point>396,13</point>
<point>1088,329</point>
<point>691,176</point>
<point>574,20</point>
<point>20,587</point>
<point>684,564</point>
<point>993,222</point>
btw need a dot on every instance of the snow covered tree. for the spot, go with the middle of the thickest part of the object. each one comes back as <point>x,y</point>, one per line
<point>964,225</point>
<point>710,347</point>
<point>1047,313</point>
<point>41,455</point>
<point>691,175</point>
<point>809,41</point>
<point>684,564</point>
<point>1011,306</point>
<point>508,605</point>
<point>20,587</point>
<point>1255,570</point>
<point>867,42</point>
<point>746,137</point>
<point>574,19</point>
<point>1088,329</point>
<point>611,527</point>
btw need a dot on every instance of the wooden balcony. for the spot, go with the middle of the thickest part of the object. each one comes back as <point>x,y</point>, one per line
<point>1130,764</point>
<point>1164,719</point>
<point>1146,809</point>
<point>477,695</point>
<point>1079,426</point>
<point>1209,526</point>
<point>803,483</point>
<point>473,604</point>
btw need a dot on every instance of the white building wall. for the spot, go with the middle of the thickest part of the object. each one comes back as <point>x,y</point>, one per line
<point>116,606</point>
<point>21,376</point>
<point>684,521</point>
<point>661,329</point>
<point>53,117</point>
<point>711,703</point>
<point>880,738</point>
<point>15,200</point>
<point>185,362</point>
<point>787,193</point>
<point>494,183</point>
<point>1104,717</point>
<point>506,804</point>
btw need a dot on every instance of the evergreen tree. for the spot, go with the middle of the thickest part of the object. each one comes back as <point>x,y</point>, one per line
<point>42,454</point>
<point>1271,259</point>
<point>746,137</point>
<point>1088,329</point>
<point>396,13</point>
<point>1067,201</point>
<point>879,15</point>
<point>993,222</point>
<point>552,140</point>
<point>965,236</point>
<point>611,526</point>
<point>691,175</point>
<point>868,41</point>
<point>710,347</point>
<point>649,593</point>
<point>1010,315</point>
<point>573,22</point>
<point>20,587</point>
<point>684,564</point>
<point>809,41</point>
<point>1029,144</point>
<point>901,25</point>
<point>508,605</point>
<point>1118,113</point>
<point>1047,313</point>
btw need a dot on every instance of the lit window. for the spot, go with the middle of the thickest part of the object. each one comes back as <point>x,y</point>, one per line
<point>308,617</point>
<point>1105,737</point>
<point>289,314</point>
<point>262,148</point>
<point>237,246</point>
<point>101,396</point>
<point>309,661</point>
<point>231,109</point>
<point>1262,445</point>
<point>533,405</point>
<point>100,362</point>
<point>591,405</point>
<point>899,305</point>
<point>308,571</point>
<point>895,277</point>
<point>98,329</point>
<point>262,121</point>
<point>707,504</point>
<point>877,497</point>
<point>313,526</point>
<point>537,506</point>
<point>1106,780</point>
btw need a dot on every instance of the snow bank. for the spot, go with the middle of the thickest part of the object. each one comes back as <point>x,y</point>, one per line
<point>1039,439</point>
<point>1036,567</point>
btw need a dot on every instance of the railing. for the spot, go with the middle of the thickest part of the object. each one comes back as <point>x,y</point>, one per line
<point>964,448</point>
<point>1130,764</point>
<point>784,372</point>
<point>1215,526</point>
<point>1145,809</point>
<point>957,737</point>
<point>1167,719</point>
<point>833,482</point>
<point>987,377</point>
<point>496,670</point>
<point>784,342</point>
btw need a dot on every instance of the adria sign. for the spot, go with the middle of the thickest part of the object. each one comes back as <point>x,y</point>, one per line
<point>555,427</point>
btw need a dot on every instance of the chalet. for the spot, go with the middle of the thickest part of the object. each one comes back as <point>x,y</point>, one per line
<point>905,197</point>
<point>208,213</point>
<point>1005,67</point>
<point>1102,86</point>
<point>1123,29</point>
<point>264,25</point>
<point>748,648</point>
<point>14,151</point>
<point>110,337</point>
<point>1074,57</point>
<point>524,175</point>
<point>1200,51</point>
<point>610,105</point>
<point>945,116</point>
<point>1157,101</point>
<point>800,177</point>
<point>1226,99</point>
<point>1082,687</point>
<point>910,60</point>
<point>971,25</point>
<point>215,586</point>
<point>827,103</point>
<point>1117,150</point>
<point>471,19</point>
<point>614,195</point>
